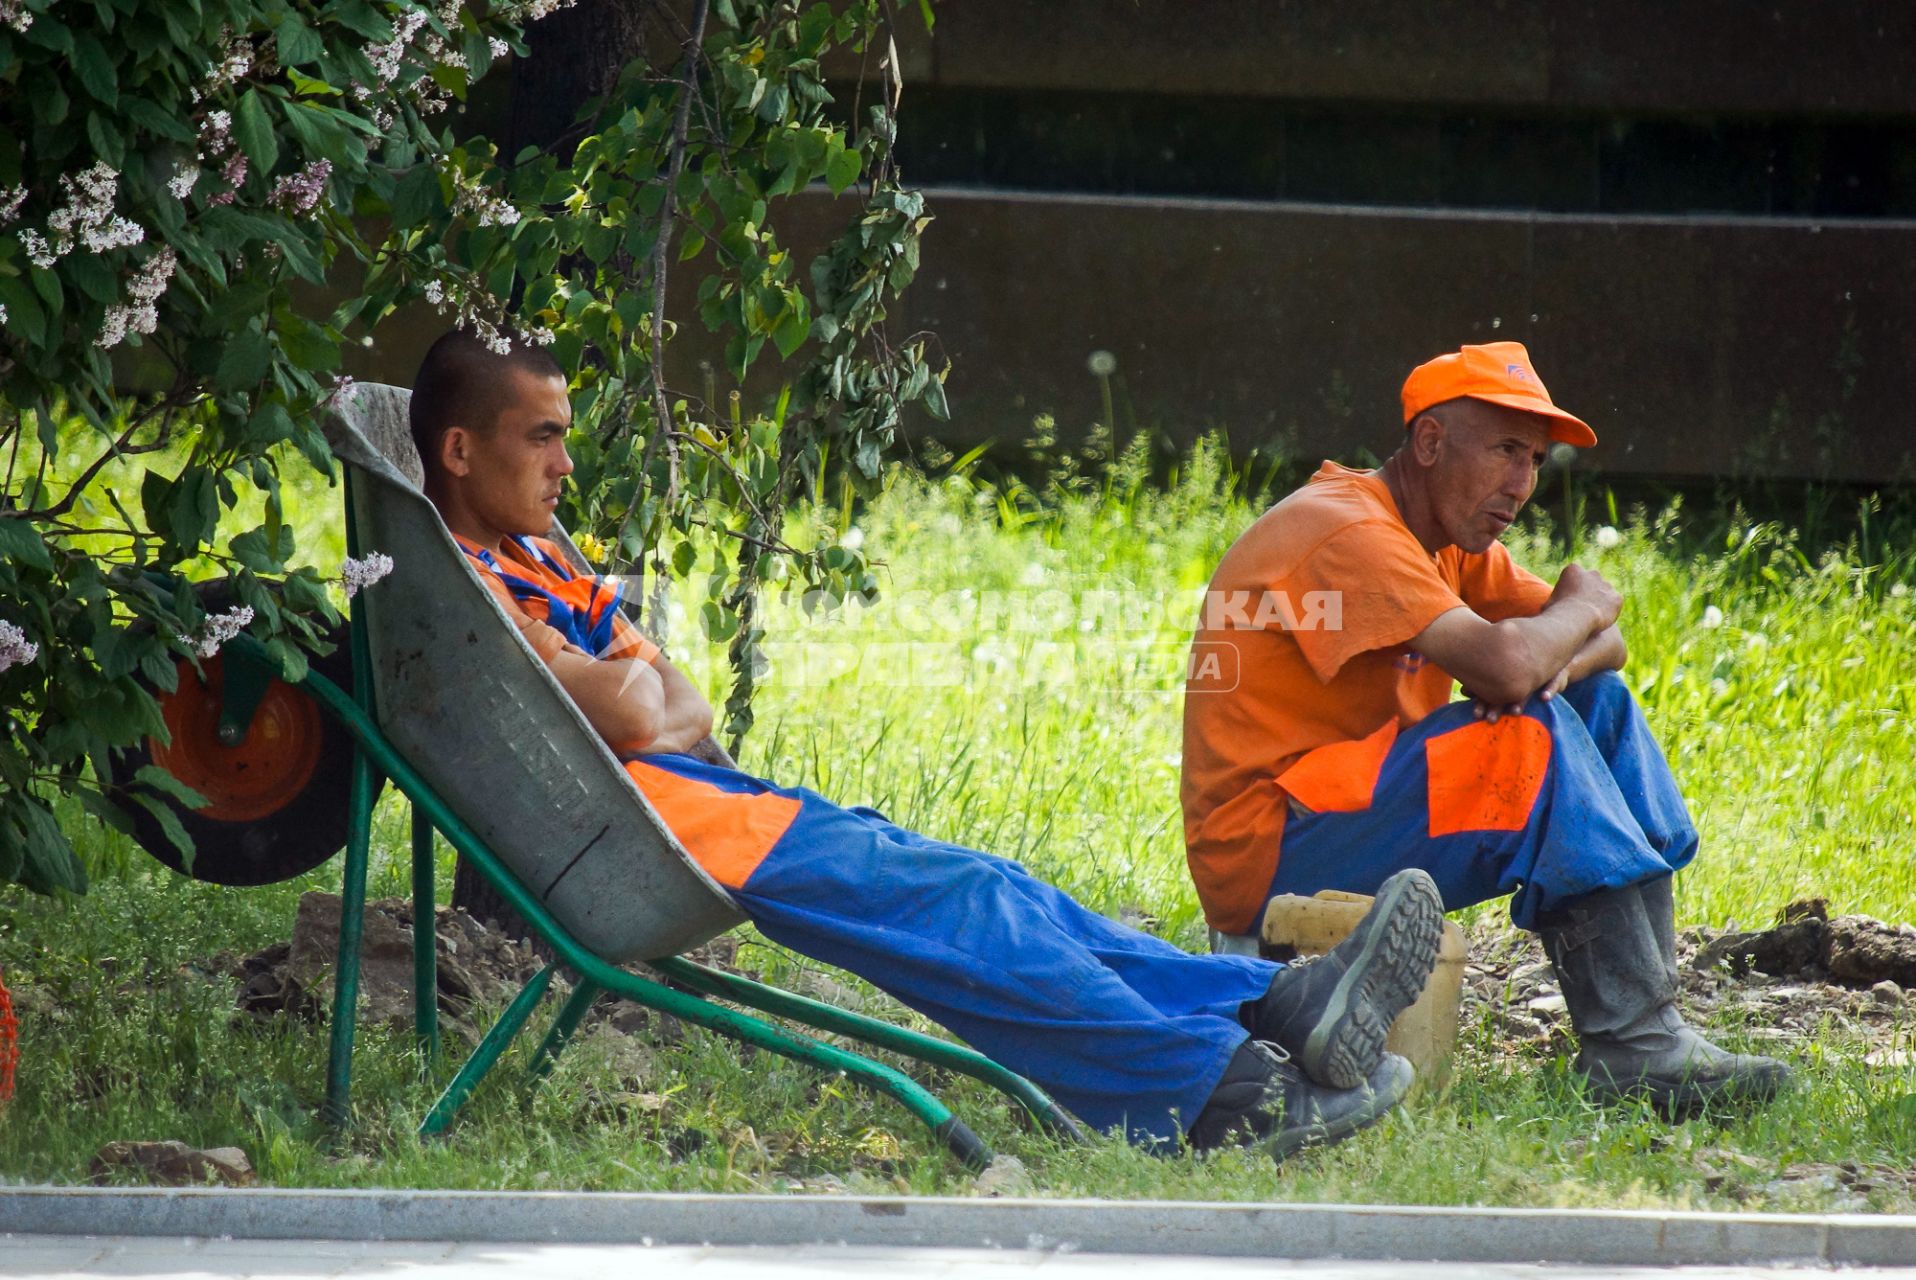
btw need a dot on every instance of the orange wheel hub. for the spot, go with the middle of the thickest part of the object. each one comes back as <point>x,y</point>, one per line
<point>262,774</point>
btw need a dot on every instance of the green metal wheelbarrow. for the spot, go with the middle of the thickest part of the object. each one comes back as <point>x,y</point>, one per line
<point>452,706</point>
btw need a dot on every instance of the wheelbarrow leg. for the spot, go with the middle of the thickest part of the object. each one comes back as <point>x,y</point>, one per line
<point>563,1026</point>
<point>352,919</point>
<point>487,1054</point>
<point>425,941</point>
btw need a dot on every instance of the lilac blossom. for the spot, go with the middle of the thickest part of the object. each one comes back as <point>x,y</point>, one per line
<point>181,184</point>
<point>15,649</point>
<point>216,133</point>
<point>15,14</point>
<point>236,59</point>
<point>140,314</point>
<point>360,574</point>
<point>88,214</point>
<point>487,209</point>
<point>39,252</point>
<point>220,628</point>
<point>11,198</point>
<point>300,192</point>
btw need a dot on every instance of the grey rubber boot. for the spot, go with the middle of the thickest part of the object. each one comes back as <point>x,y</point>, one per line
<point>1264,1101</point>
<point>1619,982</point>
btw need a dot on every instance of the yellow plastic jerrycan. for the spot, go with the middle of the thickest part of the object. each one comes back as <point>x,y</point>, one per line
<point>1426,1032</point>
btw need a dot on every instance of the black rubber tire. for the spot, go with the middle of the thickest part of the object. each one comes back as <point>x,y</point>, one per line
<point>300,835</point>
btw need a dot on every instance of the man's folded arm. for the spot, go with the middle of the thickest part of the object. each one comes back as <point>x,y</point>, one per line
<point>1503,663</point>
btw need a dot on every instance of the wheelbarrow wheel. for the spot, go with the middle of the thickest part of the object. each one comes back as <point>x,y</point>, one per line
<point>277,801</point>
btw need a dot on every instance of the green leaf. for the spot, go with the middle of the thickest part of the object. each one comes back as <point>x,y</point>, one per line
<point>842,169</point>
<point>105,811</point>
<point>94,275</point>
<point>193,509</point>
<point>793,328</point>
<point>252,550</point>
<point>253,130</point>
<point>154,118</point>
<point>158,779</point>
<point>49,861</point>
<point>298,43</point>
<point>417,196</point>
<point>24,314</point>
<point>94,68</point>
<point>20,541</point>
<point>244,363</point>
<point>935,403</point>
<point>292,659</point>
<point>106,140</point>
<point>170,824</point>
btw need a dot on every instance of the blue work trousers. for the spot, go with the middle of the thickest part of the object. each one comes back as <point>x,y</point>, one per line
<point>1123,1029</point>
<point>1606,812</point>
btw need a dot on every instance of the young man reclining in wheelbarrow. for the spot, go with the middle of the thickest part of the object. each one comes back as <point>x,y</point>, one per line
<point>1123,1029</point>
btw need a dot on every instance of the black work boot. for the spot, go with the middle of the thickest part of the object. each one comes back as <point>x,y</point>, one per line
<point>1331,1013</point>
<point>1619,981</point>
<point>1264,1101</point>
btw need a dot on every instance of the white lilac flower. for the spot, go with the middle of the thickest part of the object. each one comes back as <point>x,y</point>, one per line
<point>142,313</point>
<point>491,338</point>
<point>3,313</point>
<point>386,58</point>
<point>220,628</point>
<point>216,133</point>
<point>11,198</point>
<point>39,252</point>
<point>1607,536</point>
<point>487,209</point>
<point>1712,617</point>
<point>15,14</point>
<point>300,192</point>
<point>360,574</point>
<point>342,388</point>
<point>184,178</point>
<point>499,47</point>
<point>435,292</point>
<point>236,59</point>
<point>15,649</point>
<point>538,336</point>
<point>87,214</point>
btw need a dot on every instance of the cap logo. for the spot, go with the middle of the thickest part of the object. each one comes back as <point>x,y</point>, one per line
<point>1519,372</point>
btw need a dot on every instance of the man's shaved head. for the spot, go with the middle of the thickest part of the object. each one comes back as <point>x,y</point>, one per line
<point>459,383</point>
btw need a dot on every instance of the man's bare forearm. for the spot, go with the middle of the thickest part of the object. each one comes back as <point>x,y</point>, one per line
<point>1535,649</point>
<point>1604,651</point>
<point>686,718</point>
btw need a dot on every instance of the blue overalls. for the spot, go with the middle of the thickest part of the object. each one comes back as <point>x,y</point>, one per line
<point>1570,797</point>
<point>1125,1030</point>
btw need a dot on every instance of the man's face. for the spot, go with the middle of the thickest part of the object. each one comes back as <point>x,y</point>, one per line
<point>510,476</point>
<point>1485,467</point>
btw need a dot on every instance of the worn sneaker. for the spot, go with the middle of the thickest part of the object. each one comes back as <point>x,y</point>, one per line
<point>1264,1101</point>
<point>1332,1013</point>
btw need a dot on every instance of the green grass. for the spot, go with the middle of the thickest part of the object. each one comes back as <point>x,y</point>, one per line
<point>1057,743</point>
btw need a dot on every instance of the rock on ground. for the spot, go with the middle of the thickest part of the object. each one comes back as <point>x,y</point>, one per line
<point>173,1164</point>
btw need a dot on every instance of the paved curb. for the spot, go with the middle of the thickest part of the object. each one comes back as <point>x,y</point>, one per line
<point>1293,1231</point>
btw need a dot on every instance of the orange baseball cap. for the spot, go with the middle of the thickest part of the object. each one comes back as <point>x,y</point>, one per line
<point>1499,372</point>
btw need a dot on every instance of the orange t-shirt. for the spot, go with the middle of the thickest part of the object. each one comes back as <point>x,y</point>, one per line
<point>1302,648</point>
